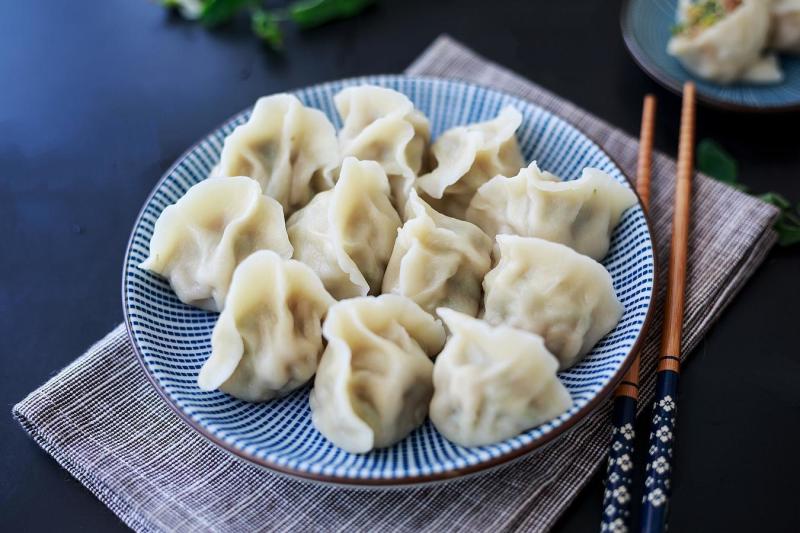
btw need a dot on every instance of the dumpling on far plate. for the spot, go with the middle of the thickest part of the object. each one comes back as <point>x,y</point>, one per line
<point>785,32</point>
<point>492,383</point>
<point>198,241</point>
<point>346,234</point>
<point>289,149</point>
<point>580,213</point>
<point>383,125</point>
<point>466,157</point>
<point>551,290</point>
<point>724,40</point>
<point>438,260</point>
<point>374,381</point>
<point>268,340</point>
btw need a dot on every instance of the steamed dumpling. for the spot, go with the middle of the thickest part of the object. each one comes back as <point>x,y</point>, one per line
<point>198,242</point>
<point>267,341</point>
<point>553,291</point>
<point>723,41</point>
<point>785,34</point>
<point>491,383</point>
<point>346,234</point>
<point>467,157</point>
<point>438,260</point>
<point>374,381</point>
<point>289,149</point>
<point>382,125</point>
<point>580,213</point>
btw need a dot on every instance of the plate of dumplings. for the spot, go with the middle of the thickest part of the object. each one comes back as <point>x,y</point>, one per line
<point>742,54</point>
<point>388,280</point>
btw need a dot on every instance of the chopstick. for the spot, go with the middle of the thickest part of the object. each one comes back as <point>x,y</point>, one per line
<point>655,502</point>
<point>617,497</point>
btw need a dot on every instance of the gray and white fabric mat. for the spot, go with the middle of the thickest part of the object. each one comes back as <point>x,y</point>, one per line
<point>102,421</point>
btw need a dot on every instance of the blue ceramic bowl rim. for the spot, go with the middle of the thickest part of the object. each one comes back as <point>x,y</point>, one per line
<point>641,58</point>
<point>414,480</point>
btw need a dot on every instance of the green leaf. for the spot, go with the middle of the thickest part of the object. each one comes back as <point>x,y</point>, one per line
<point>776,199</point>
<point>788,233</point>
<point>713,160</point>
<point>788,223</point>
<point>217,12</point>
<point>267,27</point>
<point>266,23</point>
<point>311,13</point>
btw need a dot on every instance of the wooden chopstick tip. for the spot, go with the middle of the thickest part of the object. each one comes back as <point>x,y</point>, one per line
<point>648,115</point>
<point>689,100</point>
<point>644,163</point>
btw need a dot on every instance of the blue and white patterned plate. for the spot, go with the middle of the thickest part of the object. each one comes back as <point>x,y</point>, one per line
<point>646,29</point>
<point>173,340</point>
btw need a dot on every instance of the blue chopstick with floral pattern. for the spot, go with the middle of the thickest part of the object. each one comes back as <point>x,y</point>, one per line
<point>655,501</point>
<point>618,484</point>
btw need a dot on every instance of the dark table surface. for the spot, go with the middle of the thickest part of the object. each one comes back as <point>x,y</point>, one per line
<point>97,99</point>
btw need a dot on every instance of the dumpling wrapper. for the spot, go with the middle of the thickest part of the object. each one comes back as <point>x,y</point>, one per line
<point>551,290</point>
<point>268,340</point>
<point>383,125</point>
<point>579,213</point>
<point>198,242</point>
<point>346,234</point>
<point>375,378</point>
<point>731,49</point>
<point>438,260</point>
<point>289,149</point>
<point>467,157</point>
<point>785,31</point>
<point>491,383</point>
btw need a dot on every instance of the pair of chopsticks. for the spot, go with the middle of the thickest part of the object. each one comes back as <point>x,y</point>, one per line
<point>617,499</point>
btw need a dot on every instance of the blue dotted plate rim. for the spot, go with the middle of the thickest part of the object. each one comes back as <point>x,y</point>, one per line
<point>674,85</point>
<point>417,479</point>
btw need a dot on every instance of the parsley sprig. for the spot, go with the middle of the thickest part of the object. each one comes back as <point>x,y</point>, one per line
<point>266,23</point>
<point>714,161</point>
